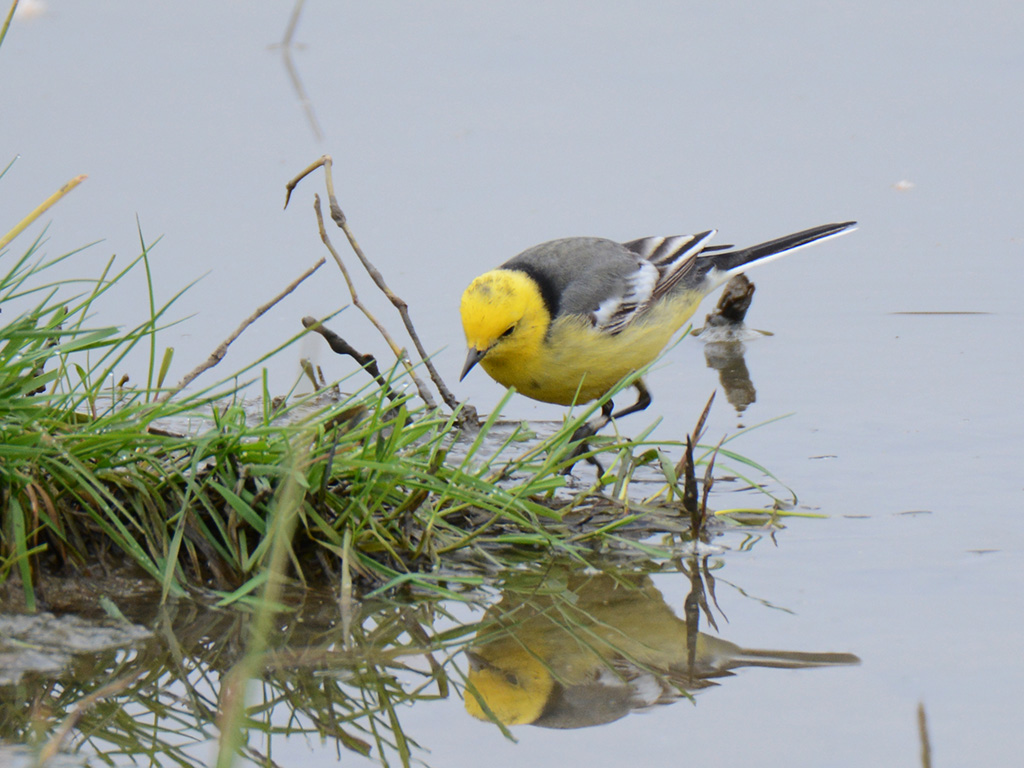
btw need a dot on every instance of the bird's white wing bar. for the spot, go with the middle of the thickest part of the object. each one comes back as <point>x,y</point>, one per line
<point>677,255</point>
<point>675,258</point>
<point>655,249</point>
<point>663,260</point>
<point>614,312</point>
<point>666,252</point>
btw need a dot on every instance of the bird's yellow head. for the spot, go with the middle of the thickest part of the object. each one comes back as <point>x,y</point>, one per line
<point>514,684</point>
<point>504,318</point>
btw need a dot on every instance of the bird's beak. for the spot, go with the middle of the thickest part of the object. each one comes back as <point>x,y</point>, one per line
<point>475,356</point>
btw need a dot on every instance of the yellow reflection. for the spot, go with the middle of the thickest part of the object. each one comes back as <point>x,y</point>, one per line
<point>575,649</point>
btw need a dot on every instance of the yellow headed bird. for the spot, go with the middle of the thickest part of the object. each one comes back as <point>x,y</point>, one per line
<point>565,321</point>
<point>598,649</point>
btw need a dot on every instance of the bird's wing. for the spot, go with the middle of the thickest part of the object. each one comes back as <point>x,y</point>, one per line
<point>614,313</point>
<point>663,262</point>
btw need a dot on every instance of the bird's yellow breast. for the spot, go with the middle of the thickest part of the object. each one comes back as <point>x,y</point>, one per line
<point>575,362</point>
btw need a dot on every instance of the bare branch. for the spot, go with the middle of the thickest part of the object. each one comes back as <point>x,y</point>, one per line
<point>399,353</point>
<point>468,413</point>
<point>342,347</point>
<point>220,351</point>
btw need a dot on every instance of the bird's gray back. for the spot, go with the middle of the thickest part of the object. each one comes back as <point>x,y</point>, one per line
<point>580,272</point>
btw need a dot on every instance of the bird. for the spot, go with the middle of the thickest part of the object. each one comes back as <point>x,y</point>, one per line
<point>582,648</point>
<point>565,321</point>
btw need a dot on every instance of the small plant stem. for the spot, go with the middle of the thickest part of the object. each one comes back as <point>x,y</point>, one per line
<point>342,347</point>
<point>60,735</point>
<point>231,719</point>
<point>218,354</point>
<point>293,22</point>
<point>398,352</point>
<point>922,729</point>
<point>40,209</point>
<point>7,21</point>
<point>467,414</point>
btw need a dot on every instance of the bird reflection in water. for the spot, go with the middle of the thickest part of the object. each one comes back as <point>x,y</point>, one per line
<point>577,649</point>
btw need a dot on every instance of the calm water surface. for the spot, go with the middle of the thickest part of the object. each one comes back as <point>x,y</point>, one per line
<point>464,133</point>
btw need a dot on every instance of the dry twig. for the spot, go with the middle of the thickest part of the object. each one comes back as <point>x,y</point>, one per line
<point>342,347</point>
<point>40,209</point>
<point>922,730</point>
<point>218,354</point>
<point>697,508</point>
<point>399,353</point>
<point>468,413</point>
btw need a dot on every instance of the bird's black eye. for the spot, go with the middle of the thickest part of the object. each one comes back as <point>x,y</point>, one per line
<point>511,679</point>
<point>508,331</point>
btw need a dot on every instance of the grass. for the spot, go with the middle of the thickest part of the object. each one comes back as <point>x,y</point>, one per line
<point>378,495</point>
<point>89,465</point>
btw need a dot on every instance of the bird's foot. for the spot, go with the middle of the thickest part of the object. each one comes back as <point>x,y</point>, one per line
<point>583,433</point>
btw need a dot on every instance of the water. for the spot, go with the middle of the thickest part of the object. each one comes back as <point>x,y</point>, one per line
<point>465,133</point>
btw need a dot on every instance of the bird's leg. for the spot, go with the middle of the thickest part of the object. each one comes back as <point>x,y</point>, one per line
<point>583,433</point>
<point>591,428</point>
<point>642,401</point>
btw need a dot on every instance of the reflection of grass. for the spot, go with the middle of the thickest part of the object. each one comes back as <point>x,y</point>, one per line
<point>169,698</point>
<point>347,678</point>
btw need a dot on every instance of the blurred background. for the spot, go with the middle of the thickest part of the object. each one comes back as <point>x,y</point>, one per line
<point>463,133</point>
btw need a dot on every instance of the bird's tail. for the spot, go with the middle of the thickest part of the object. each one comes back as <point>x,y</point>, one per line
<point>717,266</point>
<point>748,657</point>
